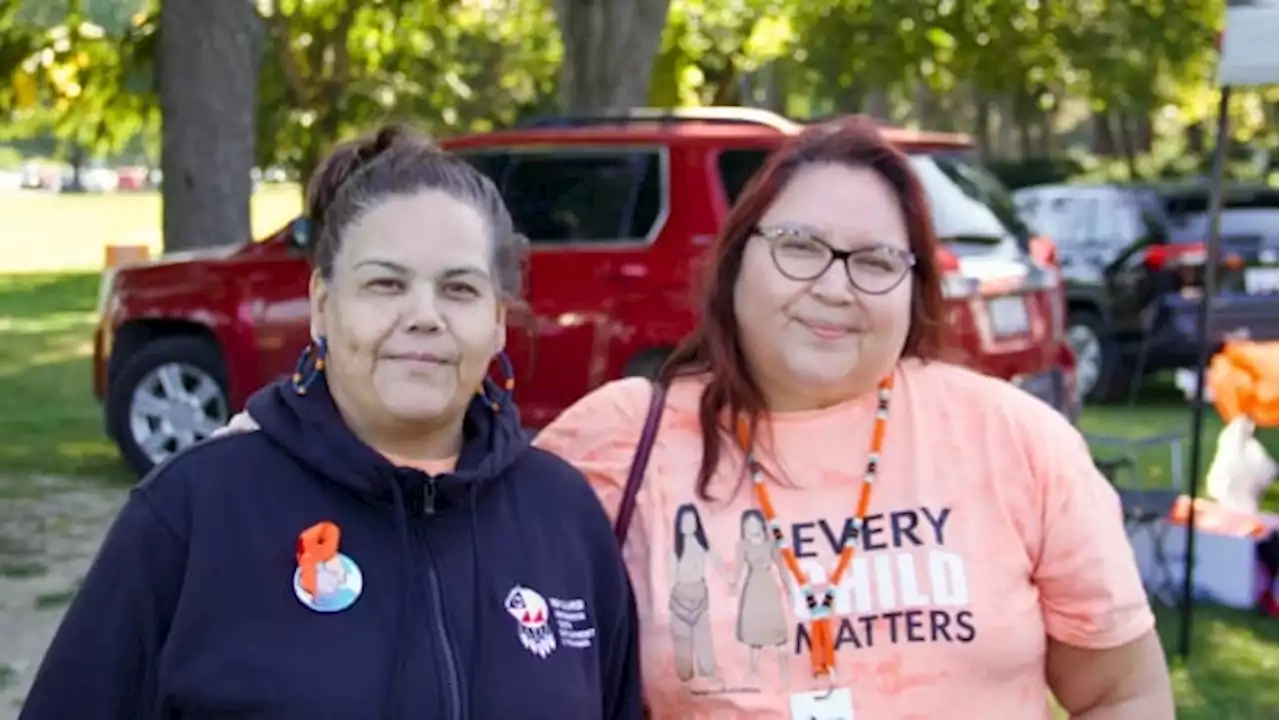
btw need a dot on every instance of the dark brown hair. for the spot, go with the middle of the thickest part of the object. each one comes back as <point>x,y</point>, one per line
<point>397,160</point>
<point>714,346</point>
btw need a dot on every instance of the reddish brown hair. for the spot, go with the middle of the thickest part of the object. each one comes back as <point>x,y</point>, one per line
<point>714,346</point>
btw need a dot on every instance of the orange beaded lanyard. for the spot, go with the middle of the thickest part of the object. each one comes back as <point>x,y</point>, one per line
<point>822,647</point>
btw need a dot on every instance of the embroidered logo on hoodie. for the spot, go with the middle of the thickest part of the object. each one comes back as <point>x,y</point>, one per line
<point>531,614</point>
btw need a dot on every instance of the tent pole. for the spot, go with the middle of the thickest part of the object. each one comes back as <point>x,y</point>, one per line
<point>1213,253</point>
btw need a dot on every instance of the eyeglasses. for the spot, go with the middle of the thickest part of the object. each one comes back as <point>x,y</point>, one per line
<point>800,255</point>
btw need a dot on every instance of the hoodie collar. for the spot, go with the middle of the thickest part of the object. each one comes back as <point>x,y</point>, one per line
<point>310,429</point>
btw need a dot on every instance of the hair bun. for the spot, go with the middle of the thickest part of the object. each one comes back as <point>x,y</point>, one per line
<point>389,135</point>
<point>394,135</point>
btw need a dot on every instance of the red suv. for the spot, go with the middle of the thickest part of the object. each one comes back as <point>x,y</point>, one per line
<point>617,210</point>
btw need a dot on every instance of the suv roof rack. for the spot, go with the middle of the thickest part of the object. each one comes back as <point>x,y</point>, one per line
<point>716,114</point>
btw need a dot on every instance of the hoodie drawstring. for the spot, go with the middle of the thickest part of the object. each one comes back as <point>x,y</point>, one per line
<point>503,403</point>
<point>392,698</point>
<point>477,628</point>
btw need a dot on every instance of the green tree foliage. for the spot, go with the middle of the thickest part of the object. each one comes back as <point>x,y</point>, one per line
<point>80,69</point>
<point>333,66</point>
<point>1026,78</point>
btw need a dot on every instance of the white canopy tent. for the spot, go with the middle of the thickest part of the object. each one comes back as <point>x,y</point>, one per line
<point>1248,56</point>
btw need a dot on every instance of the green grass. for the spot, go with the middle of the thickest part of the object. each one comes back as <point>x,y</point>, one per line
<point>1232,672</point>
<point>50,423</point>
<point>49,272</point>
<point>1160,409</point>
<point>53,232</point>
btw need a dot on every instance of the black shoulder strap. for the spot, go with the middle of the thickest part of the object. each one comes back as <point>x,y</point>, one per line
<point>635,477</point>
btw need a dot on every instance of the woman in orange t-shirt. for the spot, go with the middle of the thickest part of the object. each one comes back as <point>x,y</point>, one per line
<point>832,521</point>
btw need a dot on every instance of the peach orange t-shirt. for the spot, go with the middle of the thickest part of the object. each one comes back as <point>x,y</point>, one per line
<point>989,532</point>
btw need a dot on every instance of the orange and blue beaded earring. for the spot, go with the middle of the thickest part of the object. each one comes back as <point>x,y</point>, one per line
<point>310,365</point>
<point>508,386</point>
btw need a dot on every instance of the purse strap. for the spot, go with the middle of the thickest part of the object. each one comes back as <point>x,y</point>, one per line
<point>639,462</point>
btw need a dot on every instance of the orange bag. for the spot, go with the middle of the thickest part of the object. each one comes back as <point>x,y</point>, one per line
<point>1245,379</point>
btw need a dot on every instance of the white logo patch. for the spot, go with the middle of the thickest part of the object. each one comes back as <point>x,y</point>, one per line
<point>531,613</point>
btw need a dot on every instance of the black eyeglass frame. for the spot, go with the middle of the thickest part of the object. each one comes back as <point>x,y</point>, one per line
<point>772,235</point>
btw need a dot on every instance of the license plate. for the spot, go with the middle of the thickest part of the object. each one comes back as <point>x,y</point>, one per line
<point>1008,316</point>
<point>1262,280</point>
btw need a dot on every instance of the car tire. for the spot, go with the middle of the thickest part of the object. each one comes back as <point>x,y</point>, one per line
<point>647,364</point>
<point>147,434</point>
<point>1094,345</point>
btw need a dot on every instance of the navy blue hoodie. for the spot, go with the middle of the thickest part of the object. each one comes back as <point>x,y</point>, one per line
<point>496,591</point>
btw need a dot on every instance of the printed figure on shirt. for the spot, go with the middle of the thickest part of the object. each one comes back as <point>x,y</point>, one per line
<point>690,600</point>
<point>762,619</point>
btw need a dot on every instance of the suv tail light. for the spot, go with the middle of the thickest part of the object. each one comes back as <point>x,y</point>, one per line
<point>1067,361</point>
<point>1162,257</point>
<point>1044,251</point>
<point>954,284</point>
<point>1185,262</point>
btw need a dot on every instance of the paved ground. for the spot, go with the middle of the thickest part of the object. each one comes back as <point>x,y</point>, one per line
<point>50,528</point>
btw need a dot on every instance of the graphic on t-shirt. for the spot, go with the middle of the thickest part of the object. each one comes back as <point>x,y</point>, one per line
<point>762,619</point>
<point>690,603</point>
<point>904,585</point>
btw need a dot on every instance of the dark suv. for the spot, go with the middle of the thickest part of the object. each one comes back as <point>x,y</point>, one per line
<point>1134,261</point>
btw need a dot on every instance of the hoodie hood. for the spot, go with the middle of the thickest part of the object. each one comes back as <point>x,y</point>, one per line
<point>309,428</point>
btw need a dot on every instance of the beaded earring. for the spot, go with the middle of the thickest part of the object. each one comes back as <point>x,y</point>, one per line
<point>310,365</point>
<point>508,382</point>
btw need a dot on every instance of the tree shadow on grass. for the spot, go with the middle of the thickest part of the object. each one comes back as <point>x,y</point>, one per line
<point>35,295</point>
<point>1232,667</point>
<point>49,420</point>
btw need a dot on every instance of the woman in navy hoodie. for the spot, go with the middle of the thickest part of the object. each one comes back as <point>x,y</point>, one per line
<point>388,545</point>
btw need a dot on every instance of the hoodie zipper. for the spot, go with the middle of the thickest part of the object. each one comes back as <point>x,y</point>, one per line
<point>452,677</point>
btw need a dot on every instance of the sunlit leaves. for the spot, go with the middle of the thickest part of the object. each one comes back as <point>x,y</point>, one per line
<point>79,68</point>
<point>446,65</point>
<point>334,66</point>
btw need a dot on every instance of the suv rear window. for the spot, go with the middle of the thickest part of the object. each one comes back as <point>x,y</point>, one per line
<point>1248,214</point>
<point>969,204</point>
<point>1197,202</point>
<point>581,196</point>
<point>736,169</point>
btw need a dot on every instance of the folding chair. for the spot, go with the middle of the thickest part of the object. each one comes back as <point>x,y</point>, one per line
<point>1146,509</point>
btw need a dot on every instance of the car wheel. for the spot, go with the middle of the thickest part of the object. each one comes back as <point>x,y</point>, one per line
<point>1098,371</point>
<point>647,364</point>
<point>169,395</point>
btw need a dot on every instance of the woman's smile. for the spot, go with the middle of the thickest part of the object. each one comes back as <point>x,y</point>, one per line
<point>824,330</point>
<point>421,358</point>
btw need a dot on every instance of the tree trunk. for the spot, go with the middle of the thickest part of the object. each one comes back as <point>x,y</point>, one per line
<point>982,124</point>
<point>1104,139</point>
<point>609,49</point>
<point>1127,143</point>
<point>876,104</point>
<point>1048,140</point>
<point>208,61</point>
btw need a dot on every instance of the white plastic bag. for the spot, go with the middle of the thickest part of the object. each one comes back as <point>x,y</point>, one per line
<point>1241,470</point>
